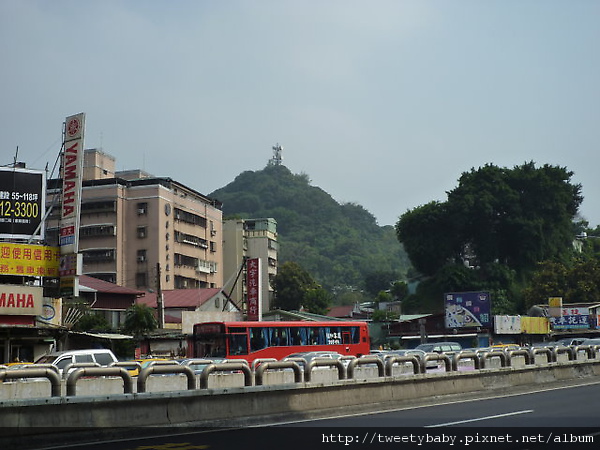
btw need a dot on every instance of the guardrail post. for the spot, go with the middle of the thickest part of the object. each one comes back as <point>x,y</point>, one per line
<point>504,358</point>
<point>258,374</point>
<point>436,357</point>
<point>225,367</point>
<point>322,362</point>
<point>98,372</point>
<point>363,360</point>
<point>526,353</point>
<point>569,350</point>
<point>162,369</point>
<point>465,355</point>
<point>391,360</point>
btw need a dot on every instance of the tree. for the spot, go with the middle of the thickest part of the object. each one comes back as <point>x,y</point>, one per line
<point>139,320</point>
<point>317,300</point>
<point>92,321</point>
<point>428,237</point>
<point>493,229</point>
<point>290,286</point>
<point>399,290</point>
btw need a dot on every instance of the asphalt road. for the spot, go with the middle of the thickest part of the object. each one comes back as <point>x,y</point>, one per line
<point>560,417</point>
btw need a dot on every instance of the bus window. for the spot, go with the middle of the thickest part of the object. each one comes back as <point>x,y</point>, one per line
<point>238,344</point>
<point>298,336</point>
<point>259,339</point>
<point>279,336</point>
<point>313,336</point>
<point>350,335</point>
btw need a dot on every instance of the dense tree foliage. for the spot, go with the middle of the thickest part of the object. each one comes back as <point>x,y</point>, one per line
<point>294,288</point>
<point>92,322</point>
<point>336,243</point>
<point>492,231</point>
<point>139,320</point>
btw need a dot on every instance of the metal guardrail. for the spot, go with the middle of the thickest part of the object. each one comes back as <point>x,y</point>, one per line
<point>436,357</point>
<point>322,362</point>
<point>504,358</point>
<point>165,369</point>
<point>98,372</point>
<point>127,365</point>
<point>466,355</point>
<point>365,360</point>
<point>276,365</point>
<point>44,372</point>
<point>67,369</point>
<point>303,370</point>
<point>526,353</point>
<point>414,360</point>
<point>226,367</point>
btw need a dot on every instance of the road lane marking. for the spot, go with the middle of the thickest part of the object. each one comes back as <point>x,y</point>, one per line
<point>478,419</point>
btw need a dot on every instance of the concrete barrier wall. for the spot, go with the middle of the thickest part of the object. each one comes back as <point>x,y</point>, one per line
<point>254,404</point>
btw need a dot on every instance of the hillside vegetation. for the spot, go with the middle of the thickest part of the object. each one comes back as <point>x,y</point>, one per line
<point>338,244</point>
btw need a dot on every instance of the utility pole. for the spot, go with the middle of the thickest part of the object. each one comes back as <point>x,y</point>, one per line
<point>159,300</point>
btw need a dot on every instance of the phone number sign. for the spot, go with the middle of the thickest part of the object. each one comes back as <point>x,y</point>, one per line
<point>21,203</point>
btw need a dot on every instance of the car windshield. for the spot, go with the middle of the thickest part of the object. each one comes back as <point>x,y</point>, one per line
<point>48,359</point>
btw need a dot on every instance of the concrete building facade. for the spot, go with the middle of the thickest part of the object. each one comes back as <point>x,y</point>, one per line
<point>138,230</point>
<point>250,238</point>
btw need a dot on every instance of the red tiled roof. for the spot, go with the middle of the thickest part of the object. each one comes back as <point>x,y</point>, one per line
<point>181,298</point>
<point>104,286</point>
<point>341,311</point>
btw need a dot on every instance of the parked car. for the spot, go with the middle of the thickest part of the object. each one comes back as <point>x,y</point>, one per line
<point>62,359</point>
<point>591,341</point>
<point>199,367</point>
<point>309,356</point>
<point>440,347</point>
<point>570,341</point>
<point>420,354</point>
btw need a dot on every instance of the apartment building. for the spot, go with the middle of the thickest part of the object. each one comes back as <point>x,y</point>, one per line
<point>137,230</point>
<point>249,238</point>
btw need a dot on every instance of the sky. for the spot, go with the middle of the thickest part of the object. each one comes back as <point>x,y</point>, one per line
<point>384,103</point>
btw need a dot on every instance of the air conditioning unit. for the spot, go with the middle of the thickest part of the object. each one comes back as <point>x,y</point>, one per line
<point>141,211</point>
<point>141,258</point>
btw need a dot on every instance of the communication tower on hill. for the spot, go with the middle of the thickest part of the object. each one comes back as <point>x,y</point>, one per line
<point>277,158</point>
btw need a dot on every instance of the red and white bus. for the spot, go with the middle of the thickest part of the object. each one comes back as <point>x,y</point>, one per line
<point>253,340</point>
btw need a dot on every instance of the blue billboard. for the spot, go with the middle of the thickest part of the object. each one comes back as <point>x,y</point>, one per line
<point>468,309</point>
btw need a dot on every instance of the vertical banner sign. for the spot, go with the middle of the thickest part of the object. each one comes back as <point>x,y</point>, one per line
<point>253,289</point>
<point>72,173</point>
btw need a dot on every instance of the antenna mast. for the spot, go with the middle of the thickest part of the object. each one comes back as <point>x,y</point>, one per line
<point>277,159</point>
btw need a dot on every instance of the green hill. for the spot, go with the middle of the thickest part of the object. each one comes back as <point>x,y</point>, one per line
<point>338,244</point>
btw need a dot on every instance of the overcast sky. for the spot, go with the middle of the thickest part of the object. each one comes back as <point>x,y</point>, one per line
<point>382,103</point>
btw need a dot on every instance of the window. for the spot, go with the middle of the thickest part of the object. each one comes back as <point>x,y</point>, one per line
<point>213,246</point>
<point>109,277</point>
<point>142,208</point>
<point>98,207</point>
<point>184,260</point>
<point>141,279</point>
<point>238,344</point>
<point>190,239</point>
<point>97,231</point>
<point>141,256</point>
<point>142,232</point>
<point>191,218</point>
<point>99,255</point>
<point>85,358</point>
